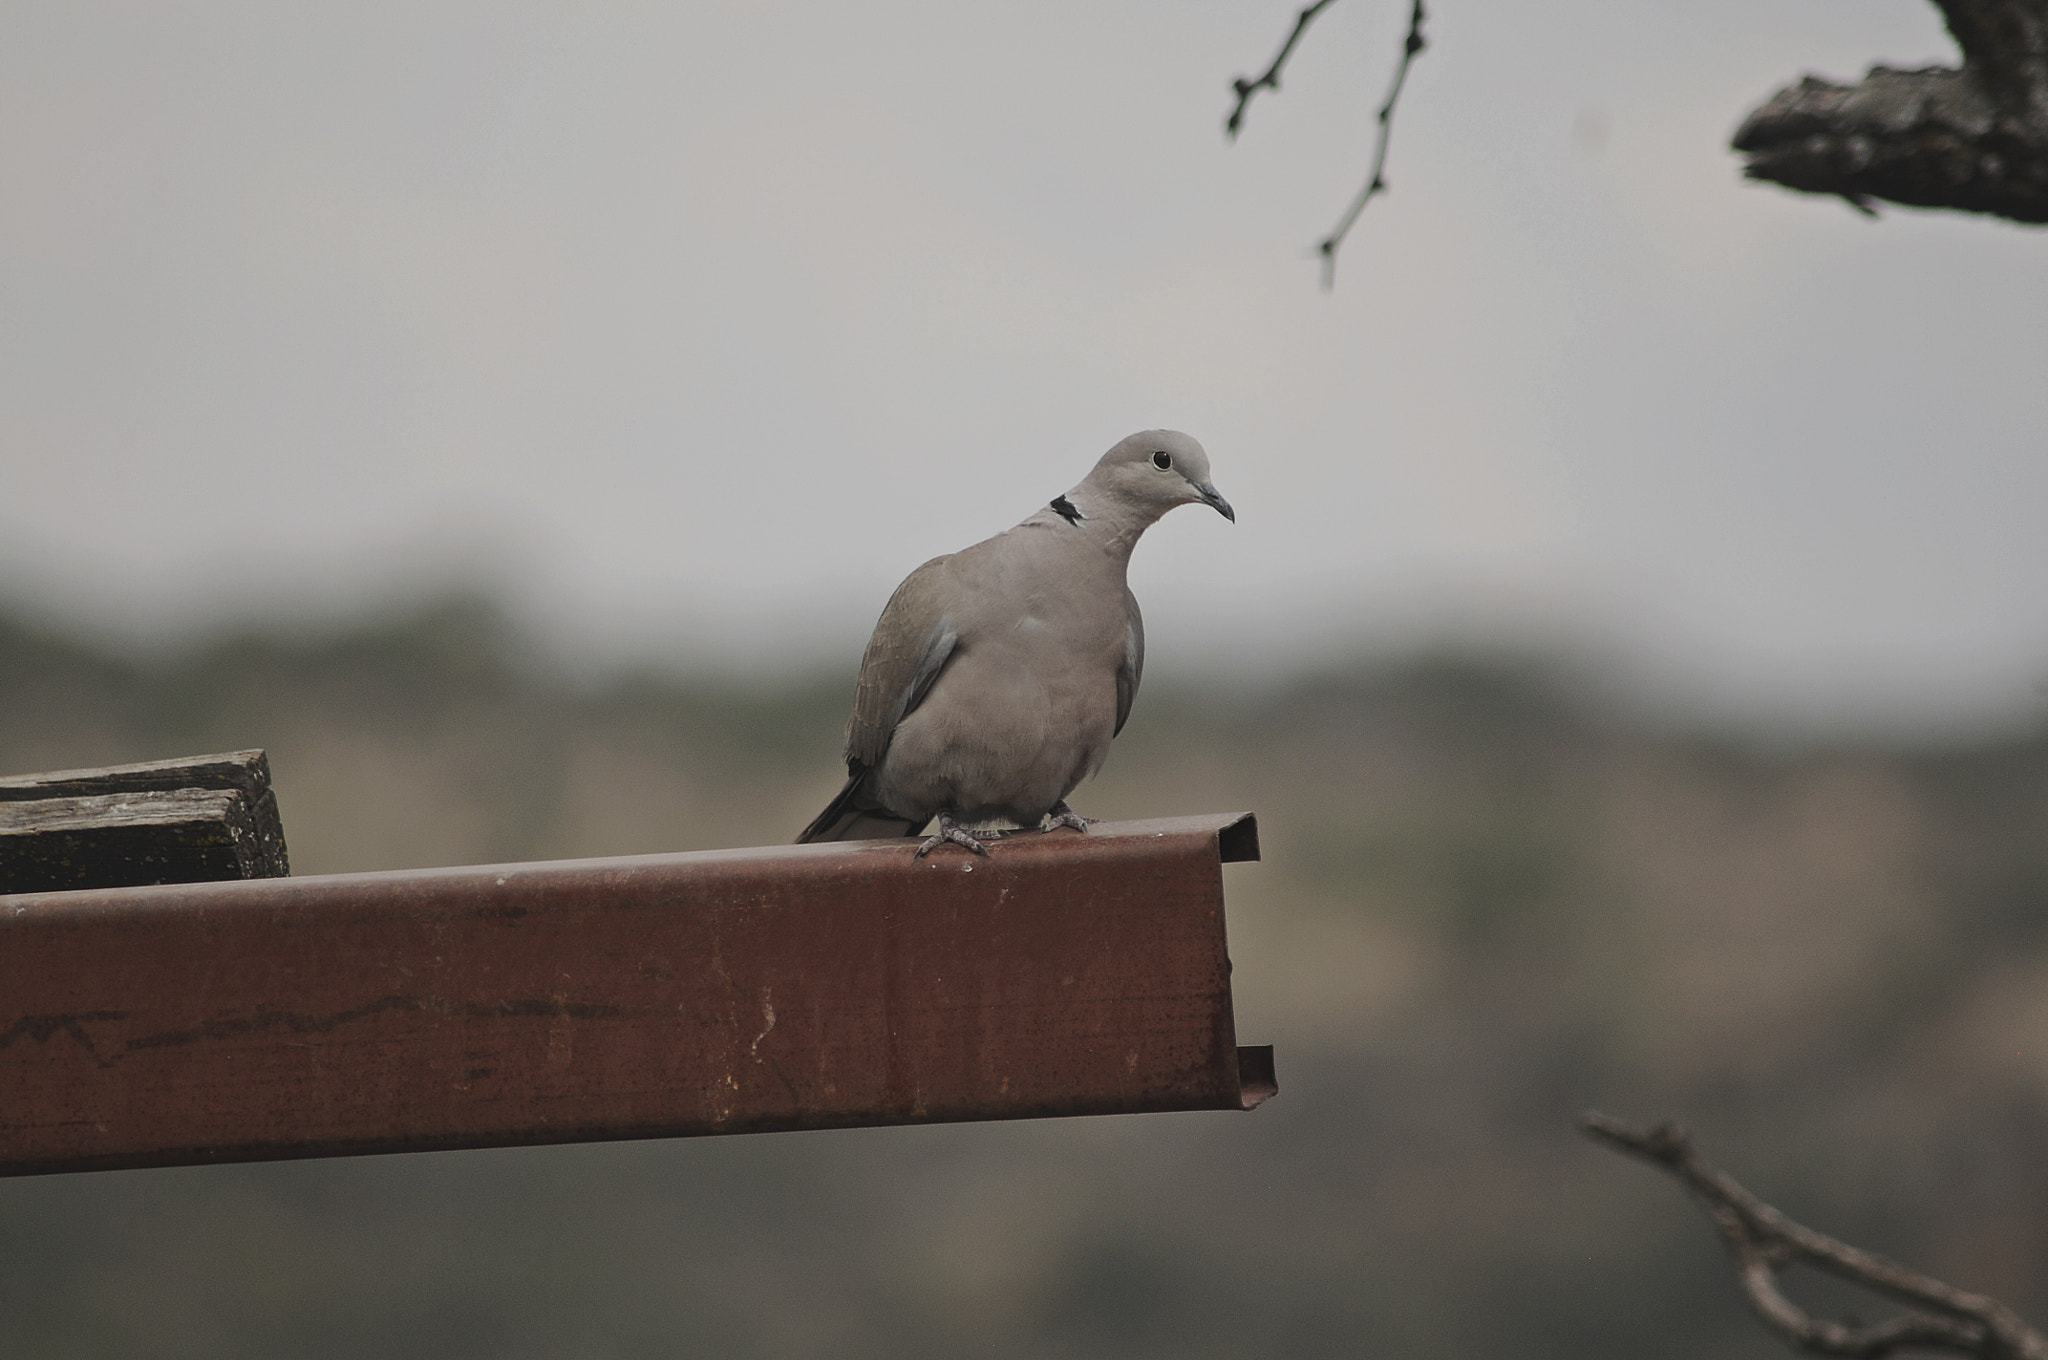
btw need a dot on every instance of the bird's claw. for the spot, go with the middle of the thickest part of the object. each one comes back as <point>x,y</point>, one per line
<point>950,830</point>
<point>1062,815</point>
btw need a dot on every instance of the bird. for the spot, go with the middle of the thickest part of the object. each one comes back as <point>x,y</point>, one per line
<point>997,675</point>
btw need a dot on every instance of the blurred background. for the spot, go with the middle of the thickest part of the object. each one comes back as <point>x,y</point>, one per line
<point>1633,640</point>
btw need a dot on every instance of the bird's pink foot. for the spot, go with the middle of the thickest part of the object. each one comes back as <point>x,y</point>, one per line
<point>950,830</point>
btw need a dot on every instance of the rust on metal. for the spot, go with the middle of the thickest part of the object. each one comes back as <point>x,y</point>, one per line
<point>733,991</point>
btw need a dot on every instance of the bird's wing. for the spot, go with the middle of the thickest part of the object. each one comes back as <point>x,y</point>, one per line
<point>1131,669</point>
<point>913,640</point>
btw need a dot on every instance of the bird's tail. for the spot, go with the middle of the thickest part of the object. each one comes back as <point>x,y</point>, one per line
<point>853,816</point>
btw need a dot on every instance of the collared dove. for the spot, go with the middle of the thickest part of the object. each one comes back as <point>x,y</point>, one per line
<point>998,674</point>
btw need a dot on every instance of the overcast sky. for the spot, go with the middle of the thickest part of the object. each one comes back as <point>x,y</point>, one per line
<point>693,328</point>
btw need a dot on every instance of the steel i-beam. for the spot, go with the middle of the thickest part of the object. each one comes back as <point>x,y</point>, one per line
<point>733,991</point>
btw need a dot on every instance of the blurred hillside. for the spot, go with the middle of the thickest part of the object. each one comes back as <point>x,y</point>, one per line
<point>1488,901</point>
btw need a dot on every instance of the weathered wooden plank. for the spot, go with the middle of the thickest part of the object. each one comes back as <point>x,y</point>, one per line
<point>117,840</point>
<point>163,821</point>
<point>248,771</point>
<point>735,991</point>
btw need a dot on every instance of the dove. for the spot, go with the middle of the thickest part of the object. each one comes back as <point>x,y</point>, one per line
<point>998,675</point>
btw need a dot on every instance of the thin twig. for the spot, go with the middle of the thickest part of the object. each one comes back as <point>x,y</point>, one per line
<point>1763,1242</point>
<point>1376,183</point>
<point>1271,79</point>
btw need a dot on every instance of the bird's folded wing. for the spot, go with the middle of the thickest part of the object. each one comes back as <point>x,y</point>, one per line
<point>1131,669</point>
<point>912,643</point>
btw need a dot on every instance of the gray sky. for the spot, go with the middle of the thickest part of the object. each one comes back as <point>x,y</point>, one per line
<point>695,327</point>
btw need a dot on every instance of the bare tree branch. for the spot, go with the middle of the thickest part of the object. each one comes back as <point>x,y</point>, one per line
<point>1974,139</point>
<point>1763,1242</point>
<point>1376,183</point>
<point>1271,79</point>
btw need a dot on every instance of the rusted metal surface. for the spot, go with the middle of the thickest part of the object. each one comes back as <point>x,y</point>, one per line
<point>731,991</point>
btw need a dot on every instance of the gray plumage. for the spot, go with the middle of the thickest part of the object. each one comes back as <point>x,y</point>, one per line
<point>998,674</point>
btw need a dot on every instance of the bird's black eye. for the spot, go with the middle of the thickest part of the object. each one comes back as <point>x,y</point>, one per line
<point>1162,460</point>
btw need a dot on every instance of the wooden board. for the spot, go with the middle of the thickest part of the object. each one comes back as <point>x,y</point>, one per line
<point>168,821</point>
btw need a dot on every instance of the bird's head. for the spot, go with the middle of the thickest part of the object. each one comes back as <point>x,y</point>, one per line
<point>1154,470</point>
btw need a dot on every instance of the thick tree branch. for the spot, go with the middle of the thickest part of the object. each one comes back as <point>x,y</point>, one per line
<point>1762,1242</point>
<point>1974,139</point>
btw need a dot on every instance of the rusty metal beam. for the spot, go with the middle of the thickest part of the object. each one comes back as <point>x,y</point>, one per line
<point>734,991</point>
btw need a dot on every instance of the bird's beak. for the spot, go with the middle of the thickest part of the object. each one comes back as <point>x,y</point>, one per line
<point>1214,498</point>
